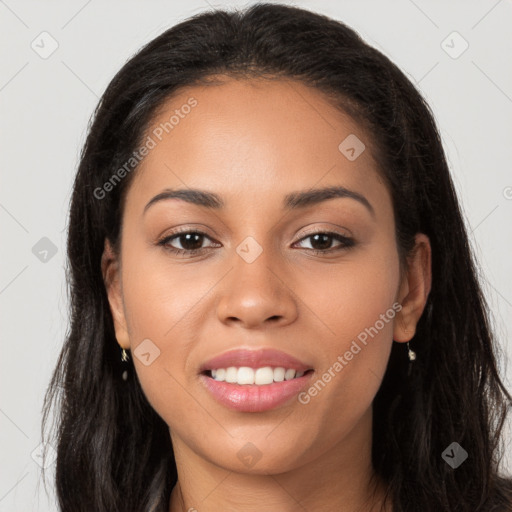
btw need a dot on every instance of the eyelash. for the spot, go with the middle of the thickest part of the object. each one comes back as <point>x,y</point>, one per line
<point>346,243</point>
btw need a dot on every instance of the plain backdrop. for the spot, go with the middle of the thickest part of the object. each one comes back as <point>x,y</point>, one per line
<point>47,100</point>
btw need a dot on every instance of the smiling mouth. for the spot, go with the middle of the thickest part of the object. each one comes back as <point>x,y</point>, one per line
<point>262,376</point>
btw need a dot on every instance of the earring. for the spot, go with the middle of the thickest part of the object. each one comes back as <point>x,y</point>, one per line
<point>124,359</point>
<point>411,353</point>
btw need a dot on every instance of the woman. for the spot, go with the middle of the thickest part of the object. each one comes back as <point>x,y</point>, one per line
<point>274,305</point>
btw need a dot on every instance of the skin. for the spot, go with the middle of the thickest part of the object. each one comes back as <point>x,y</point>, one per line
<point>253,142</point>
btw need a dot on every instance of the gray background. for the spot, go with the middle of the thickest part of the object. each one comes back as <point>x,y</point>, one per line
<point>46,104</point>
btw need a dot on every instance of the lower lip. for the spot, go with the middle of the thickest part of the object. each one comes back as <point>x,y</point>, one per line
<point>253,398</point>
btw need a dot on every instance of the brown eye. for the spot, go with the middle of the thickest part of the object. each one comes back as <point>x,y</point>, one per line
<point>190,242</point>
<point>321,242</point>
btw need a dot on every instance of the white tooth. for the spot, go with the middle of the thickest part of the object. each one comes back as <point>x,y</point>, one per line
<point>290,374</point>
<point>245,375</point>
<point>264,376</point>
<point>279,374</point>
<point>220,374</point>
<point>261,376</point>
<point>231,374</point>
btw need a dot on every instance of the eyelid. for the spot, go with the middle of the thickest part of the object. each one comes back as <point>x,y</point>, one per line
<point>346,242</point>
<point>333,230</point>
<point>163,240</point>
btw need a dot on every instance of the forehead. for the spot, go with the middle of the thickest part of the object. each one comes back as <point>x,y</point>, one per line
<point>253,135</point>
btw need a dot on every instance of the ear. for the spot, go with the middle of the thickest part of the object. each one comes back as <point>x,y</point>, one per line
<point>110,269</point>
<point>414,289</point>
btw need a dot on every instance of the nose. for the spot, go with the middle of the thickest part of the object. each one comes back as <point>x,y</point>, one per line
<point>256,295</point>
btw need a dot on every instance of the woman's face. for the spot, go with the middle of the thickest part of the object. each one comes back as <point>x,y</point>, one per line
<point>255,281</point>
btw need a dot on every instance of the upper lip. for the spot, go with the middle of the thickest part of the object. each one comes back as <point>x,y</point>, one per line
<point>254,359</point>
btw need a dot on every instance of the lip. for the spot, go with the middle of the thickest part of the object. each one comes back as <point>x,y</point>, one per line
<point>251,397</point>
<point>255,359</point>
<point>254,398</point>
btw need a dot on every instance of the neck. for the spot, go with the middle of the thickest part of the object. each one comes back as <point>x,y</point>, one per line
<point>342,479</point>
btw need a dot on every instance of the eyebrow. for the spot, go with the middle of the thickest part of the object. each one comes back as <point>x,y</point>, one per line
<point>292,201</point>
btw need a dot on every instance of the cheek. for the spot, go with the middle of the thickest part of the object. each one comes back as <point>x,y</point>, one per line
<point>160,314</point>
<point>357,309</point>
<point>354,299</point>
<point>158,297</point>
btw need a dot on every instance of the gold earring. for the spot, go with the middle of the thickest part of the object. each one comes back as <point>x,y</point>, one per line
<point>124,359</point>
<point>411,353</point>
<point>124,356</point>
